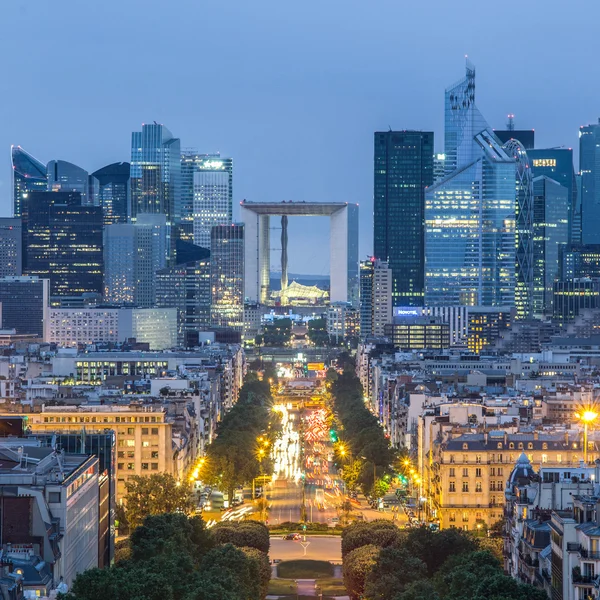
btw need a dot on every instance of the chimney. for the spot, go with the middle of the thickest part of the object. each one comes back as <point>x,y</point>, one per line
<point>566,438</point>
<point>505,438</point>
<point>536,435</point>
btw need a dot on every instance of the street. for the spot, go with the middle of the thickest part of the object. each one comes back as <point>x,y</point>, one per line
<point>318,547</point>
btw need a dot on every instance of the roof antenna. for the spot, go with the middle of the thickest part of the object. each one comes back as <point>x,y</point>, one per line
<point>510,122</point>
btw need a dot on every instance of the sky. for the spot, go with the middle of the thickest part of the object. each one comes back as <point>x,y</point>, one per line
<point>293,91</point>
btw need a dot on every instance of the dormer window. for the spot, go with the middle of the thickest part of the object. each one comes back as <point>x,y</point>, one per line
<point>465,446</point>
<point>530,446</point>
<point>511,445</point>
<point>520,445</point>
<point>499,445</point>
<point>544,446</point>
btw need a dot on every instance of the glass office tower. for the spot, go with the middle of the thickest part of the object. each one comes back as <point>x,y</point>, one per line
<point>551,202</point>
<point>589,167</point>
<point>64,176</point>
<point>470,243</point>
<point>113,192</point>
<point>227,276</point>
<point>557,164</point>
<point>155,172</point>
<point>403,169</point>
<point>28,174</point>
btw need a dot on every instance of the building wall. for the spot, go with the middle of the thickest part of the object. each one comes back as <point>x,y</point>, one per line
<point>10,247</point>
<point>21,296</point>
<point>382,297</point>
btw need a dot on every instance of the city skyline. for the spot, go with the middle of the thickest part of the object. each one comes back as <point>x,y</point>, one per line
<point>345,86</point>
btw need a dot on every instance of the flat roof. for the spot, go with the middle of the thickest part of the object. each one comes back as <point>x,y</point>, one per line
<point>295,209</point>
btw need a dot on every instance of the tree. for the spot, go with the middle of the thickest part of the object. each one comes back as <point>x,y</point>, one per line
<point>164,391</point>
<point>317,332</point>
<point>250,534</point>
<point>356,567</point>
<point>434,548</point>
<point>393,571</point>
<point>331,375</point>
<point>260,568</point>
<point>380,533</point>
<point>154,495</point>
<point>419,590</point>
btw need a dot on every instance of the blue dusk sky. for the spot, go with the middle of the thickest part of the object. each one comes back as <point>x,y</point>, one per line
<point>293,91</point>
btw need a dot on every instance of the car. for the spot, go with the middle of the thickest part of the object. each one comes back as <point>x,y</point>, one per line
<point>292,536</point>
<point>334,520</point>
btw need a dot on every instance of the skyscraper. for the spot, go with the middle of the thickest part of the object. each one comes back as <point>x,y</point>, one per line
<point>206,192</point>
<point>470,245</point>
<point>187,288</point>
<point>113,193</point>
<point>403,169</point>
<point>11,247</point>
<point>376,280</point>
<point>63,242</point>
<point>589,167</point>
<point>29,175</point>
<point>551,203</point>
<point>227,276</point>
<point>155,171</point>
<point>24,302</point>
<point>64,176</point>
<point>557,164</point>
<point>366,297</point>
<point>133,253</point>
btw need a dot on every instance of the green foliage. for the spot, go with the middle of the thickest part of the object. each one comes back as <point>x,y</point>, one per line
<point>357,566</point>
<point>331,375</point>
<point>232,458</point>
<point>175,558</point>
<point>155,494</point>
<point>393,571</point>
<point>380,533</point>
<point>304,569</point>
<point>317,332</point>
<point>419,590</point>
<point>434,548</point>
<point>251,534</point>
<point>362,432</point>
<point>278,333</point>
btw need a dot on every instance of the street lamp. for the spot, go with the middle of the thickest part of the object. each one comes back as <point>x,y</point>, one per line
<point>587,416</point>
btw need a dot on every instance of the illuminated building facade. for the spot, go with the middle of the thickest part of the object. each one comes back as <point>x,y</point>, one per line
<point>11,247</point>
<point>63,242</point>
<point>113,193</point>
<point>470,242</point>
<point>578,261</point>
<point>206,193</point>
<point>589,161</point>
<point>403,168</point>
<point>557,164</point>
<point>133,253</point>
<point>366,297</point>
<point>186,287</point>
<point>227,276</point>
<point>20,296</point>
<point>155,171</point>
<point>28,175</point>
<point>573,295</point>
<point>551,233</point>
<point>418,333</point>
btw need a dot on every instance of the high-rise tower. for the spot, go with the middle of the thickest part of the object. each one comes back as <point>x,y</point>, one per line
<point>403,169</point>
<point>589,166</point>
<point>29,175</point>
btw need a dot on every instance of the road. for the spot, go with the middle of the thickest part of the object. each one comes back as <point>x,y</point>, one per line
<point>320,547</point>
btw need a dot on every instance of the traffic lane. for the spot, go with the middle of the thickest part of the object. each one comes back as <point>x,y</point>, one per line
<point>285,502</point>
<point>320,547</point>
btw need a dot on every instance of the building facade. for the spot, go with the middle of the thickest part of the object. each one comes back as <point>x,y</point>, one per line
<point>579,261</point>
<point>403,166</point>
<point>11,247</point>
<point>470,243</point>
<point>589,159</point>
<point>20,296</point>
<point>187,288</point>
<point>155,171</point>
<point>551,234</point>
<point>420,333</point>
<point>63,242</point>
<point>133,253</point>
<point>227,276</point>
<point>366,297</point>
<point>113,192</point>
<point>64,176</point>
<point>28,175</point>
<point>572,296</point>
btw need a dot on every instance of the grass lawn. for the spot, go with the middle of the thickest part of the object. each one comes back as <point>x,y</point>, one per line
<point>328,585</point>
<point>304,569</point>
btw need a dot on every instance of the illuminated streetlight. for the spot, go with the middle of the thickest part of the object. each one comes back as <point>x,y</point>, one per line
<point>586,416</point>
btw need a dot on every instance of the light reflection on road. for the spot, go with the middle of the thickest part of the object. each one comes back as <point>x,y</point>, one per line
<point>286,450</point>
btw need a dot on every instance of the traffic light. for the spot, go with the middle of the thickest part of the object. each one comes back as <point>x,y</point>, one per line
<point>333,436</point>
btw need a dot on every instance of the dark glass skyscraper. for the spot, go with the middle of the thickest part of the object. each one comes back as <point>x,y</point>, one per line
<point>589,166</point>
<point>155,171</point>
<point>64,176</point>
<point>29,175</point>
<point>11,247</point>
<point>24,304</point>
<point>557,164</point>
<point>63,242</point>
<point>113,192</point>
<point>551,234</point>
<point>403,169</point>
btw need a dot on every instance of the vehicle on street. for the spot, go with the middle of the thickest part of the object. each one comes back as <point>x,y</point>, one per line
<point>292,536</point>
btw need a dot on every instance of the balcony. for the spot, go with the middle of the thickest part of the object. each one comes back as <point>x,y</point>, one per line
<point>583,579</point>
<point>589,554</point>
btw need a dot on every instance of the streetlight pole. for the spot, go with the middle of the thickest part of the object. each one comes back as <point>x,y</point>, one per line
<point>587,416</point>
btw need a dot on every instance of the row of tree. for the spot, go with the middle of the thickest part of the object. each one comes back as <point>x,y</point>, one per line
<point>382,562</point>
<point>173,557</point>
<point>241,450</point>
<point>364,452</point>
